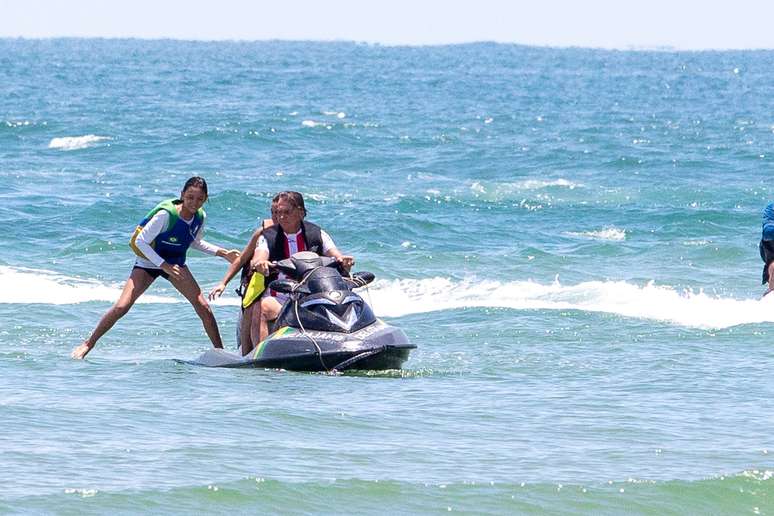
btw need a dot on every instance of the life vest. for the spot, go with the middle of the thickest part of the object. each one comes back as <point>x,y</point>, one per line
<point>252,284</point>
<point>172,243</point>
<point>311,240</point>
<point>311,236</point>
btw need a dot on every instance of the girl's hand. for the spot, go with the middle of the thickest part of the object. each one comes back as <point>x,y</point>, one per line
<point>172,270</point>
<point>230,255</point>
<point>217,291</point>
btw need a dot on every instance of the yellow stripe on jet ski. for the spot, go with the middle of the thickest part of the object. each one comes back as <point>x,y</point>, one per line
<point>279,333</point>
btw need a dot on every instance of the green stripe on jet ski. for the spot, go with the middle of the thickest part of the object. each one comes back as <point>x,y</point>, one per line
<point>285,330</point>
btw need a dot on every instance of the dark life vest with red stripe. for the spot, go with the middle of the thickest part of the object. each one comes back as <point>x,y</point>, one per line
<point>311,240</point>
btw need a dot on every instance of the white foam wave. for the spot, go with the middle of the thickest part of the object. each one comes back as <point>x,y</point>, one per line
<point>614,234</point>
<point>20,285</point>
<point>68,143</point>
<point>535,184</point>
<point>660,303</point>
<point>697,242</point>
<point>21,123</point>
<point>395,298</point>
<point>528,184</point>
<point>312,123</point>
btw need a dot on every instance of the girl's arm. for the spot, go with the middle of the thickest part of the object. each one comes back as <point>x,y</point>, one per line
<point>244,257</point>
<point>202,245</point>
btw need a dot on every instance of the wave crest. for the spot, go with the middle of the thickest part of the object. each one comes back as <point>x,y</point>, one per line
<point>68,143</point>
<point>397,298</point>
<point>613,234</point>
<point>37,286</point>
<point>655,302</point>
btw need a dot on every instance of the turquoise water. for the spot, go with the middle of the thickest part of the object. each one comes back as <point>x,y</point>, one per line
<point>568,235</point>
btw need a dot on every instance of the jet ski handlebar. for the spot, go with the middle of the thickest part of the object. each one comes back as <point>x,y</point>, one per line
<point>360,279</point>
<point>290,286</point>
<point>301,265</point>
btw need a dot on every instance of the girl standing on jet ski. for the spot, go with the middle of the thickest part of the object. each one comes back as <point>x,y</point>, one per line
<point>161,241</point>
<point>290,235</point>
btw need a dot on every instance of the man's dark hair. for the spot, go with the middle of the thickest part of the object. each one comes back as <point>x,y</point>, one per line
<point>295,199</point>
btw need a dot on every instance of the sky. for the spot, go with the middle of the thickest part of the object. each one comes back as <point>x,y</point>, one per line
<point>623,24</point>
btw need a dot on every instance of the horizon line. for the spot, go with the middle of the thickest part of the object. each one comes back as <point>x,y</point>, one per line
<point>612,48</point>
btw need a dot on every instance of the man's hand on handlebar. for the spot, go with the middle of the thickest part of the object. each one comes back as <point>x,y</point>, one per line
<point>347,262</point>
<point>261,266</point>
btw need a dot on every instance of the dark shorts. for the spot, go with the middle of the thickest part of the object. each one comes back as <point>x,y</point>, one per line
<point>154,273</point>
<point>766,248</point>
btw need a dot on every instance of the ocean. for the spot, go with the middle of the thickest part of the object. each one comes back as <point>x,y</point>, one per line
<point>568,235</point>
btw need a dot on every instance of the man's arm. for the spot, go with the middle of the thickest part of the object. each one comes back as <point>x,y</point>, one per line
<point>260,261</point>
<point>330,249</point>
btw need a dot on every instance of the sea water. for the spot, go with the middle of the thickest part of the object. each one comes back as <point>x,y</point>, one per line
<point>568,235</point>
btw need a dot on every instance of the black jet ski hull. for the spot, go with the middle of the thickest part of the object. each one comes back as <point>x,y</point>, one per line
<point>375,360</point>
<point>375,347</point>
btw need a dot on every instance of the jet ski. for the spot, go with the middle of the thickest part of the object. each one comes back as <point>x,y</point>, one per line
<point>323,326</point>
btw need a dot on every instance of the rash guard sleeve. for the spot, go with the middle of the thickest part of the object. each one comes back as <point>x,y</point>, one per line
<point>202,245</point>
<point>147,235</point>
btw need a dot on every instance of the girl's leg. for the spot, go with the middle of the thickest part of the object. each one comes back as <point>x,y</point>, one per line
<point>255,323</point>
<point>187,286</point>
<point>138,282</point>
<point>245,337</point>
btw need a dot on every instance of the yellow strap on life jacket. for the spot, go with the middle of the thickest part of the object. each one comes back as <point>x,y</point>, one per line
<point>254,289</point>
<point>133,243</point>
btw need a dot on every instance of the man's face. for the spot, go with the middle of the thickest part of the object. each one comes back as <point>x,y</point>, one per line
<point>288,216</point>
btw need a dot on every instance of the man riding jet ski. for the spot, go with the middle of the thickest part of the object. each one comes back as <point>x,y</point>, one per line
<point>323,326</point>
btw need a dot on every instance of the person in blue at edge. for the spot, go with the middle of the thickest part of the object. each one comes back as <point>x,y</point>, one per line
<point>288,236</point>
<point>766,247</point>
<point>161,241</point>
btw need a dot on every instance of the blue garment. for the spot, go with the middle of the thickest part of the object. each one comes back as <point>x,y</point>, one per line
<point>768,223</point>
<point>766,245</point>
<point>172,243</point>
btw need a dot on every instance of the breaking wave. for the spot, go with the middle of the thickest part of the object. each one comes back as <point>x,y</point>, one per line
<point>68,143</point>
<point>397,298</point>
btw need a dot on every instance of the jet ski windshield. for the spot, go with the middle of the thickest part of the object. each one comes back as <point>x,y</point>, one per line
<point>325,279</point>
